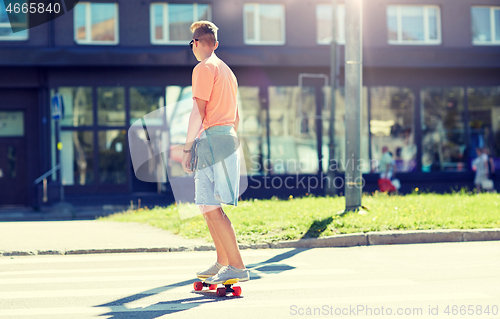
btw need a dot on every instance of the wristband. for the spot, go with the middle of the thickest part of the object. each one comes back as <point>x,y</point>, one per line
<point>186,151</point>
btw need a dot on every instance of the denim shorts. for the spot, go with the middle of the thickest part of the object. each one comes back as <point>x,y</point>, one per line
<point>217,173</point>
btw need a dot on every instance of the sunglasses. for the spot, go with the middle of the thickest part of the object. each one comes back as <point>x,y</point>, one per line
<point>191,43</point>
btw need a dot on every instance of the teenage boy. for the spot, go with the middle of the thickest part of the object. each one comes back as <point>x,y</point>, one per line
<point>214,94</point>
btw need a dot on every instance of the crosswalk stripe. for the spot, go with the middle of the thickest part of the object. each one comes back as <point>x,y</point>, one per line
<point>207,304</point>
<point>250,286</point>
<point>179,277</point>
<point>124,257</point>
<point>122,269</point>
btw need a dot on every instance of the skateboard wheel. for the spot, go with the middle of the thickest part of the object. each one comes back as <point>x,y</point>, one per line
<point>198,285</point>
<point>212,287</point>
<point>237,291</point>
<point>221,292</point>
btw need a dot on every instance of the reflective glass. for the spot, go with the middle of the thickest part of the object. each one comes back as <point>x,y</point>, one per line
<point>180,18</point>
<point>497,24</point>
<point>203,12</point>
<point>103,21</point>
<point>158,21</point>
<point>433,22</point>
<point>77,157</point>
<point>112,157</point>
<point>443,130</point>
<point>18,21</point>
<point>271,20</point>
<point>144,100</point>
<point>324,23</point>
<point>252,129</point>
<point>484,120</point>
<point>250,21</point>
<point>292,130</point>
<point>392,22</point>
<point>77,106</point>
<point>412,22</point>
<point>11,123</point>
<point>80,18</point>
<point>481,25</point>
<point>339,133</point>
<point>391,125</point>
<point>111,106</point>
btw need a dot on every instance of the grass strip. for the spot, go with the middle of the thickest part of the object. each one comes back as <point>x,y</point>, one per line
<point>257,221</point>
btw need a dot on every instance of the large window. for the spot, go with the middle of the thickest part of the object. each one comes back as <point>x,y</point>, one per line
<point>324,24</point>
<point>96,23</point>
<point>414,24</point>
<point>443,130</point>
<point>171,22</point>
<point>264,23</point>
<point>485,25</point>
<point>93,153</point>
<point>391,125</point>
<point>252,129</point>
<point>18,20</point>
<point>484,120</point>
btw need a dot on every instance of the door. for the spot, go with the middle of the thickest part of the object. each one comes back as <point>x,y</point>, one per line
<point>13,184</point>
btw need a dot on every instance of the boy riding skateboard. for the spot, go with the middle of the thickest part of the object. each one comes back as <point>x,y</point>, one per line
<point>216,179</point>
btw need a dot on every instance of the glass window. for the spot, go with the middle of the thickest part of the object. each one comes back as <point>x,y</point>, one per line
<point>111,106</point>
<point>112,157</point>
<point>485,25</point>
<point>144,100</point>
<point>77,106</point>
<point>252,129</point>
<point>413,25</point>
<point>443,130</point>
<point>19,20</point>
<point>339,134</point>
<point>11,123</point>
<point>292,130</point>
<point>264,23</point>
<point>324,24</point>
<point>77,157</point>
<point>484,120</point>
<point>391,125</point>
<point>96,23</point>
<point>171,22</point>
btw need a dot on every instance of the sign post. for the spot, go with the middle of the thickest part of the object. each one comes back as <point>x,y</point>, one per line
<point>353,89</point>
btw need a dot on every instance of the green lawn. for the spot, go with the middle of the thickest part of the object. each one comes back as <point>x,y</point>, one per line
<point>272,220</point>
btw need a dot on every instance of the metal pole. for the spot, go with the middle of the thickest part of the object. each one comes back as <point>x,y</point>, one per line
<point>332,168</point>
<point>353,87</point>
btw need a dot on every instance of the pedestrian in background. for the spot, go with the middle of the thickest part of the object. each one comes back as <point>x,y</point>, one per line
<point>479,165</point>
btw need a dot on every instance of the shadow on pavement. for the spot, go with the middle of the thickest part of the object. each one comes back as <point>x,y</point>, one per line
<point>271,266</point>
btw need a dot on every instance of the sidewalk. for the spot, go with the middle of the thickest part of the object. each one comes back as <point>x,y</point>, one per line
<point>87,236</point>
<point>27,238</point>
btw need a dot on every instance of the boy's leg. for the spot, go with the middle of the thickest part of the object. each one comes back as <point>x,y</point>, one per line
<point>221,252</point>
<point>224,231</point>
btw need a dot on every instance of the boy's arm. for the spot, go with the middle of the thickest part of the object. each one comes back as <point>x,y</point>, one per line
<point>195,121</point>
<point>237,121</point>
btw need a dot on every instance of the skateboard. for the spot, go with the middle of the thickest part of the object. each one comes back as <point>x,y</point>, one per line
<point>222,291</point>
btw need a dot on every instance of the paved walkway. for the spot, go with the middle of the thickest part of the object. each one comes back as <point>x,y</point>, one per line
<point>85,236</point>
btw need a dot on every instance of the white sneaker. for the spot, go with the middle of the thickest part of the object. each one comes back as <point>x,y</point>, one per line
<point>212,271</point>
<point>229,272</point>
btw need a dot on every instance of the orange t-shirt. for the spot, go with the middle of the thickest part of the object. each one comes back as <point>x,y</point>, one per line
<point>214,82</point>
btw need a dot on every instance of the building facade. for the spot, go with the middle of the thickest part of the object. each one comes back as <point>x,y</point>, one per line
<point>431,77</point>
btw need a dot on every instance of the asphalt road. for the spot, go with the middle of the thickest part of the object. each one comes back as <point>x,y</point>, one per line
<point>394,281</point>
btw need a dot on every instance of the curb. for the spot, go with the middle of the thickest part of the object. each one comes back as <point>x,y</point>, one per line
<point>345,240</point>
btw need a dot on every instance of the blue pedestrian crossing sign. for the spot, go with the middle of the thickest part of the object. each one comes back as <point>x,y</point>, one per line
<point>57,107</point>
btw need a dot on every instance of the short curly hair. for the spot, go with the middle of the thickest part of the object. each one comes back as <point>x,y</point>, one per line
<point>205,30</point>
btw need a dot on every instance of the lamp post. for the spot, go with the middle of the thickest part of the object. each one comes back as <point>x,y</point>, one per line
<point>353,89</point>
